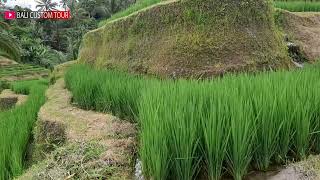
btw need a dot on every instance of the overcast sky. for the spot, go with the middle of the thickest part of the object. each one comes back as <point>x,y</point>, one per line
<point>31,4</point>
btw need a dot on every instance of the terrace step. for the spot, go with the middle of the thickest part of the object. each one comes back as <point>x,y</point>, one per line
<point>8,99</point>
<point>61,123</point>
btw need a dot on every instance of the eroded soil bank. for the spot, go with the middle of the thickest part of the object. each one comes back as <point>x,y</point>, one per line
<point>9,99</point>
<point>304,29</point>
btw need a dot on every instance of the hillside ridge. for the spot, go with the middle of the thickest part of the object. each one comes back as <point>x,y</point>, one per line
<point>186,39</point>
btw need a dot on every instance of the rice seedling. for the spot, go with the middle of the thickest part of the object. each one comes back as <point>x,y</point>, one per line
<point>16,126</point>
<point>242,135</point>
<point>298,6</point>
<point>216,131</point>
<point>100,90</point>
<point>235,123</point>
<point>154,152</point>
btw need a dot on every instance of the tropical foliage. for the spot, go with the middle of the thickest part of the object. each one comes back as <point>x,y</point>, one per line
<point>8,45</point>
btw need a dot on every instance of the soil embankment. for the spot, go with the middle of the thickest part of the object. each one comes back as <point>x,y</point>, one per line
<point>190,38</point>
<point>304,30</point>
<point>9,99</point>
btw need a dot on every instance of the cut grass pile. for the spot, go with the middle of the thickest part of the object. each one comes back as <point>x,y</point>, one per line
<point>16,126</point>
<point>298,6</point>
<point>222,126</point>
<point>140,4</point>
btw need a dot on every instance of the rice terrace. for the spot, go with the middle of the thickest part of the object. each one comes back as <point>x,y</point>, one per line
<point>161,90</point>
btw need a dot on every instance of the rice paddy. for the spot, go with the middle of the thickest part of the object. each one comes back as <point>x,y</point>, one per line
<point>21,71</point>
<point>16,125</point>
<point>298,6</point>
<point>210,128</point>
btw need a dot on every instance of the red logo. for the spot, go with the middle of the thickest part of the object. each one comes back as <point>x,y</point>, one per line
<point>9,15</point>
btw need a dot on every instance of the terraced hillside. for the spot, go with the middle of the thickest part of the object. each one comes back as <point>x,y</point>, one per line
<point>189,38</point>
<point>13,71</point>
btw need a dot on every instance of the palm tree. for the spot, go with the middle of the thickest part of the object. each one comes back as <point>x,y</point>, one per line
<point>64,4</point>
<point>8,46</point>
<point>46,5</point>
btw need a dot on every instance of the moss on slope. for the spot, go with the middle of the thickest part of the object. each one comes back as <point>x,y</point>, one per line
<point>190,38</point>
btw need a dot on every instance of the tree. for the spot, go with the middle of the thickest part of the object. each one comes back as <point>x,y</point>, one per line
<point>46,5</point>
<point>8,46</point>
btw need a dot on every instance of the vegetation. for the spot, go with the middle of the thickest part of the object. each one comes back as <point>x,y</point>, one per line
<point>8,46</point>
<point>108,96</point>
<point>47,42</point>
<point>18,70</point>
<point>16,126</point>
<point>234,123</point>
<point>131,9</point>
<point>298,6</point>
<point>156,41</point>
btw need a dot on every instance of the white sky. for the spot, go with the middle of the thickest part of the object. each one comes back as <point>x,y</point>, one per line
<point>31,4</point>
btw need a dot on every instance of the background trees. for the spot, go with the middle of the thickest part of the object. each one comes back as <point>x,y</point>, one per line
<point>49,42</point>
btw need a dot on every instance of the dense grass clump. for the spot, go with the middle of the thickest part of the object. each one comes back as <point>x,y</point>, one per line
<point>100,90</point>
<point>140,4</point>
<point>222,126</point>
<point>298,6</point>
<point>16,126</point>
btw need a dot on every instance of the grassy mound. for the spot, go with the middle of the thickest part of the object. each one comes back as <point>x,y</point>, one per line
<point>189,38</point>
<point>225,126</point>
<point>140,4</point>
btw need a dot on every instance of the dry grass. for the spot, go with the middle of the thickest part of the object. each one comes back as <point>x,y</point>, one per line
<point>61,123</point>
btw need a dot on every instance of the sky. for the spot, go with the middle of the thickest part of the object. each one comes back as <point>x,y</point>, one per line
<point>31,4</point>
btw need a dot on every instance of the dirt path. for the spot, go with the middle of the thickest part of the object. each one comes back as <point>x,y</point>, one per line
<point>60,121</point>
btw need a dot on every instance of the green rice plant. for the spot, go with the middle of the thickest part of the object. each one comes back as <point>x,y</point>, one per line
<point>16,126</point>
<point>155,139</point>
<point>216,131</point>
<point>182,114</point>
<point>100,90</point>
<point>284,112</point>
<point>298,6</point>
<point>268,124</point>
<point>234,123</point>
<point>242,134</point>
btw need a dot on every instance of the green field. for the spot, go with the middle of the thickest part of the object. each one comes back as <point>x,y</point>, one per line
<point>17,70</point>
<point>226,126</point>
<point>16,126</point>
<point>298,6</point>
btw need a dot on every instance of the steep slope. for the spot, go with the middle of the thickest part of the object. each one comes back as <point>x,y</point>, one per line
<point>189,38</point>
<point>304,29</point>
